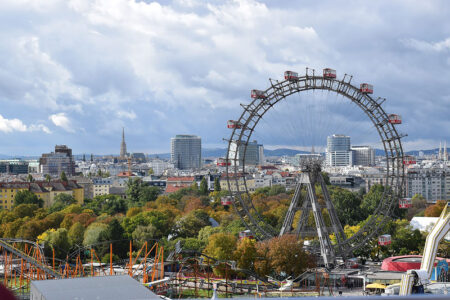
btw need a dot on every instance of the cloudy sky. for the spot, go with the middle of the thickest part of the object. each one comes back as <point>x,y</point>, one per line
<point>76,71</point>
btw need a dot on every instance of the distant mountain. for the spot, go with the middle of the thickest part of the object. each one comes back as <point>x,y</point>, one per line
<point>283,152</point>
<point>214,152</point>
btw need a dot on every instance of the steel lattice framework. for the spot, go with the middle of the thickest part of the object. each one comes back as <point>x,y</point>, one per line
<point>279,90</point>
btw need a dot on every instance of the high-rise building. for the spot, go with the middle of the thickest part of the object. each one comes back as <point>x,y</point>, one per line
<point>254,154</point>
<point>363,156</point>
<point>338,152</point>
<point>123,146</point>
<point>56,162</point>
<point>186,152</point>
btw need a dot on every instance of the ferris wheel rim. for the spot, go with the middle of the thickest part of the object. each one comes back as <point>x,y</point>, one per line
<point>279,90</point>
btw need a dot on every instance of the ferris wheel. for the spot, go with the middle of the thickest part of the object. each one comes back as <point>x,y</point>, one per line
<point>235,164</point>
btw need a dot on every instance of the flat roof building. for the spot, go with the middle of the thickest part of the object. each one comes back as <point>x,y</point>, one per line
<point>90,288</point>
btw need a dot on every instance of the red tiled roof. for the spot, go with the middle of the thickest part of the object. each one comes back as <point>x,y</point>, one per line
<point>283,174</point>
<point>172,188</point>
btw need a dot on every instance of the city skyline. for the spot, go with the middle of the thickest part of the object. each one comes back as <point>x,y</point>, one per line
<point>169,70</point>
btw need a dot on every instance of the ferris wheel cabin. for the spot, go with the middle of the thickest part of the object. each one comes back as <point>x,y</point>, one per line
<point>257,94</point>
<point>329,73</point>
<point>291,75</point>
<point>395,119</point>
<point>246,234</point>
<point>409,160</point>
<point>233,124</point>
<point>366,88</point>
<point>228,200</point>
<point>222,162</point>
<point>405,203</point>
<point>384,240</point>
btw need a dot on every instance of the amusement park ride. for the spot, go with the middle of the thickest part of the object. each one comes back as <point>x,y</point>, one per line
<point>385,124</point>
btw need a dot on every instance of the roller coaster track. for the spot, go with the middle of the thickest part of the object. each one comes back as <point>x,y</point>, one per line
<point>32,261</point>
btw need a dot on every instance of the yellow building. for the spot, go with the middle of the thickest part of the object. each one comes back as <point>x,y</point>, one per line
<point>47,191</point>
<point>240,183</point>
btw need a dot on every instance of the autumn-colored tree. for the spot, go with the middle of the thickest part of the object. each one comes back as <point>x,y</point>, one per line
<point>286,254</point>
<point>435,210</point>
<point>221,246</point>
<point>246,253</point>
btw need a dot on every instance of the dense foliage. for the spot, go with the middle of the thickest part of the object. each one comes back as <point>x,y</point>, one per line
<point>197,219</point>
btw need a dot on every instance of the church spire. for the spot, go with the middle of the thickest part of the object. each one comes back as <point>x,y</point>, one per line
<point>440,151</point>
<point>123,145</point>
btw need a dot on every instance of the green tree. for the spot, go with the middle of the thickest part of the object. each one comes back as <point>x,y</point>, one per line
<point>371,200</point>
<point>347,205</point>
<point>58,240</point>
<point>419,204</point>
<point>62,201</point>
<point>113,233</point>
<point>48,178</point>
<point>63,176</point>
<point>27,197</point>
<point>76,233</point>
<point>190,224</point>
<point>93,233</point>
<point>148,193</point>
<point>203,187</point>
<point>30,178</point>
<point>25,210</point>
<point>144,233</point>
<point>217,187</point>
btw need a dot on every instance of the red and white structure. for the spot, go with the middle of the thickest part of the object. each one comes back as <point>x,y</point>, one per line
<point>233,124</point>
<point>384,240</point>
<point>222,162</point>
<point>257,94</point>
<point>329,73</point>
<point>291,75</point>
<point>246,234</point>
<point>409,160</point>
<point>366,88</point>
<point>227,200</point>
<point>395,119</point>
<point>404,203</point>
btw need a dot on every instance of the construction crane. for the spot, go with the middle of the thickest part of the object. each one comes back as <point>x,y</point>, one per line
<point>414,281</point>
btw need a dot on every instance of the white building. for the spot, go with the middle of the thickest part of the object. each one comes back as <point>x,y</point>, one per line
<point>101,186</point>
<point>159,166</point>
<point>432,182</point>
<point>338,152</point>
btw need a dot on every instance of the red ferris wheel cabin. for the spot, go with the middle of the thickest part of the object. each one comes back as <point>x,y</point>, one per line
<point>329,73</point>
<point>290,75</point>
<point>366,88</point>
<point>233,124</point>
<point>395,119</point>
<point>257,94</point>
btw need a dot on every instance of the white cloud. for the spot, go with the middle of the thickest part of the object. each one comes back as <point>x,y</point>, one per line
<point>126,114</point>
<point>191,63</point>
<point>61,120</point>
<point>427,46</point>
<point>10,125</point>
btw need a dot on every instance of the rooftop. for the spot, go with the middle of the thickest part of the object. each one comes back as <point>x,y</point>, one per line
<point>86,288</point>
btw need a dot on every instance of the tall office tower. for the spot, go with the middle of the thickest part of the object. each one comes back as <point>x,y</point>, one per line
<point>254,154</point>
<point>123,146</point>
<point>363,156</point>
<point>338,152</point>
<point>186,152</point>
<point>56,162</point>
